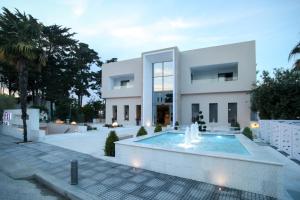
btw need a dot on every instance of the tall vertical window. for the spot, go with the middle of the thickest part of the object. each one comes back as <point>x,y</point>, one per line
<point>126,112</point>
<point>195,111</point>
<point>232,113</point>
<point>213,112</point>
<point>138,113</point>
<point>115,113</point>
<point>163,76</point>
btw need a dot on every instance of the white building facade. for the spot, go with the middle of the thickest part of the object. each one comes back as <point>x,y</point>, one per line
<point>168,85</point>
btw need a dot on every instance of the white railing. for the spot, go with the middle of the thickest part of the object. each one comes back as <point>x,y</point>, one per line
<point>283,134</point>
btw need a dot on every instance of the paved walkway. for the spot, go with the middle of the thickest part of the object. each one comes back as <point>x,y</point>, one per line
<point>24,189</point>
<point>113,181</point>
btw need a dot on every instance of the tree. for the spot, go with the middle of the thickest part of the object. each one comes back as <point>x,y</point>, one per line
<point>84,57</point>
<point>109,148</point>
<point>21,43</point>
<point>277,96</point>
<point>295,51</point>
<point>56,78</point>
<point>248,133</point>
<point>112,60</point>
<point>9,77</point>
<point>158,128</point>
<point>6,102</point>
<point>201,122</point>
<point>142,131</point>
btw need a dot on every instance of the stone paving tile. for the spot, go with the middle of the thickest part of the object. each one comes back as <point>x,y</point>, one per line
<point>97,189</point>
<point>84,183</point>
<point>166,196</point>
<point>113,195</point>
<point>138,178</point>
<point>128,186</point>
<point>145,192</point>
<point>114,181</point>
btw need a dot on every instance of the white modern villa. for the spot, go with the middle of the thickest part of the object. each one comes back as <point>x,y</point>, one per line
<point>168,85</point>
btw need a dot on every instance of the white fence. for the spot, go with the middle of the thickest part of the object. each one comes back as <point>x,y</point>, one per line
<point>13,124</point>
<point>283,134</point>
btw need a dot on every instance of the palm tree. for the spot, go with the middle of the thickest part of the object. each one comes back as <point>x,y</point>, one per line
<point>296,51</point>
<point>21,43</point>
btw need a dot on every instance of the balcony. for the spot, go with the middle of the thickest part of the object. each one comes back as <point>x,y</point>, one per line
<point>214,73</point>
<point>124,81</point>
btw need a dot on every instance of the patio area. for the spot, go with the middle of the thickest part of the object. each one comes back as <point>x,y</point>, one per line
<point>107,180</point>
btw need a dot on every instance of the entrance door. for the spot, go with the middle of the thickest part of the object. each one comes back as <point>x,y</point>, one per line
<point>163,114</point>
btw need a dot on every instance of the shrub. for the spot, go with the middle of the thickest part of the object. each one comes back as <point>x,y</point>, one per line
<point>142,131</point>
<point>110,144</point>
<point>176,125</point>
<point>158,128</point>
<point>236,125</point>
<point>248,133</point>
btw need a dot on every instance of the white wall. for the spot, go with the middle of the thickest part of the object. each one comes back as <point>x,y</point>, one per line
<point>242,100</point>
<point>120,103</point>
<point>15,127</point>
<point>122,68</point>
<point>242,53</point>
<point>283,134</point>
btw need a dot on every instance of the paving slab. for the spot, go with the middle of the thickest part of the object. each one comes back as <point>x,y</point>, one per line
<point>100,179</point>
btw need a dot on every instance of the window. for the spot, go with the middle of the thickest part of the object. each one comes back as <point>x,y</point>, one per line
<point>124,83</point>
<point>138,112</point>
<point>157,84</point>
<point>213,112</point>
<point>168,83</point>
<point>163,76</point>
<point>232,113</point>
<point>126,112</point>
<point>226,76</point>
<point>195,111</point>
<point>115,113</point>
<point>157,69</point>
<point>168,69</point>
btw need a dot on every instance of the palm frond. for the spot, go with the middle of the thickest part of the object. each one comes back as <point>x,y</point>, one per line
<point>294,51</point>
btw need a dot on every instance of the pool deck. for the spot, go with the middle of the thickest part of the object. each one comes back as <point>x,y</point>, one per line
<point>107,180</point>
<point>257,154</point>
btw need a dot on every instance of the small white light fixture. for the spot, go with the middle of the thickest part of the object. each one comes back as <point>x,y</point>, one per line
<point>148,124</point>
<point>115,124</point>
<point>254,125</point>
<point>73,123</point>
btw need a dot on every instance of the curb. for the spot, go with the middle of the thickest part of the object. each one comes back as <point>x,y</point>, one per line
<point>66,190</point>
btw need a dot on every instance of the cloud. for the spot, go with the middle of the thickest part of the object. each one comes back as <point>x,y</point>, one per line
<point>134,31</point>
<point>78,7</point>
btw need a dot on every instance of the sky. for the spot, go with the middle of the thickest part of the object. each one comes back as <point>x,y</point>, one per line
<point>124,29</point>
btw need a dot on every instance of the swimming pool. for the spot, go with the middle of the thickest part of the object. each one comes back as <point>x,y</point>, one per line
<point>208,142</point>
<point>223,159</point>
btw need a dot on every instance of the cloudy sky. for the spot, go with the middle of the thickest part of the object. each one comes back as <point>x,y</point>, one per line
<point>124,29</point>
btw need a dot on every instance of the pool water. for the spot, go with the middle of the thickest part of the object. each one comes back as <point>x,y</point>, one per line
<point>208,142</point>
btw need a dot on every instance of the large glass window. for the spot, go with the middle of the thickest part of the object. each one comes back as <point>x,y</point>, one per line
<point>157,69</point>
<point>213,112</point>
<point>195,111</point>
<point>232,113</point>
<point>162,97</point>
<point>126,112</point>
<point>157,84</point>
<point>168,69</point>
<point>168,83</point>
<point>163,76</point>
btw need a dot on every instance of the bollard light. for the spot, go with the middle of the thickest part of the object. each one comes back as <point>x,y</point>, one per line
<point>74,172</point>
